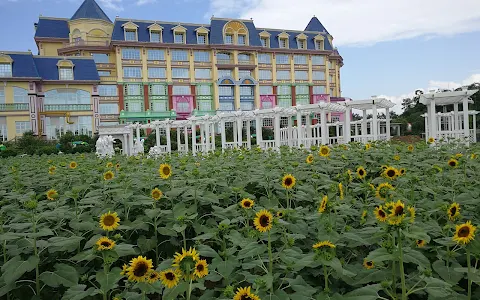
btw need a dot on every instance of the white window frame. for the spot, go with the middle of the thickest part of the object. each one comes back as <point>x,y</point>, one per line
<point>5,70</point>
<point>65,73</point>
<point>135,32</point>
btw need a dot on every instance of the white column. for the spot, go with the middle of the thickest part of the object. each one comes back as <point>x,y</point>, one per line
<point>346,126</point>
<point>258,130</point>
<point>138,133</point>
<point>356,129</point>
<point>374,126</point>
<point>466,121</point>
<point>474,116</point>
<point>185,132</point>
<point>456,125</point>
<point>240,132</point>
<point>222,134</point>
<point>427,131</point>
<point>300,129</point>
<point>433,120</point>
<point>387,124</point>
<point>130,142</point>
<point>323,127</point>
<point>212,132</point>
<point>364,126</point>
<point>249,135</point>
<point>206,147</point>
<point>157,135</point>
<point>235,133</point>
<point>179,140</point>
<point>289,132</point>
<point>169,141</point>
<point>124,145</point>
<point>276,128</point>
<point>194,138</point>
<point>337,131</point>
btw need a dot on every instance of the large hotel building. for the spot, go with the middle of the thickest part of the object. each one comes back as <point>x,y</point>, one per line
<point>92,72</point>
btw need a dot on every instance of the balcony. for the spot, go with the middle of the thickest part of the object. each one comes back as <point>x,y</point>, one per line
<point>67,107</point>
<point>68,47</point>
<point>225,61</point>
<point>14,106</point>
<point>246,62</point>
<point>146,115</point>
<point>108,78</point>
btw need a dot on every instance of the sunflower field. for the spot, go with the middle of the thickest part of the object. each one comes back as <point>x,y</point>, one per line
<point>349,222</point>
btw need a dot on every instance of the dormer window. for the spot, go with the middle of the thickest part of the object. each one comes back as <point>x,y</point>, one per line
<point>130,30</point>
<point>179,34</point>
<point>283,43</point>
<point>241,39</point>
<point>319,45</point>
<point>265,39</point>
<point>179,38</point>
<point>235,33</point>
<point>155,33</point>
<point>283,40</point>
<point>264,42</point>
<point>202,35</point>
<point>229,39</point>
<point>301,44</point>
<point>302,41</point>
<point>5,65</point>
<point>65,69</point>
<point>319,42</point>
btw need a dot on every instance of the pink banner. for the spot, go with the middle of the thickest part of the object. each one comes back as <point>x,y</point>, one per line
<point>321,98</point>
<point>183,105</point>
<point>267,101</point>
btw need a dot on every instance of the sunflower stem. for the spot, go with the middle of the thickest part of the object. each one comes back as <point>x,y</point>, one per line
<point>394,272</point>
<point>5,259</point>
<point>35,250</point>
<point>184,240</point>
<point>189,293</point>
<point>325,275</point>
<point>270,260</point>
<point>469,267</point>
<point>288,200</point>
<point>402,272</point>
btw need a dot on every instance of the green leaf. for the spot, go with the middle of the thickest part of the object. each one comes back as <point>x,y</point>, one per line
<point>207,251</point>
<point>448,273</point>
<point>78,292</point>
<point>369,292</point>
<point>337,266</point>
<point>416,257</point>
<point>252,250</point>
<point>167,231</point>
<point>67,244</point>
<point>86,255</point>
<point>437,288</point>
<point>172,294</point>
<point>224,268</point>
<point>125,250</point>
<point>205,236</point>
<point>367,276</point>
<point>16,267</point>
<point>108,281</point>
<point>417,233</point>
<point>301,286</point>
<point>5,288</point>
<point>64,275</point>
<point>179,228</point>
<point>379,255</point>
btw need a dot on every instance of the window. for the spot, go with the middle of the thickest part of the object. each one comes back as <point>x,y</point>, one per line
<point>264,41</point>
<point>301,90</point>
<point>244,73</point>
<point>155,36</point>
<point>331,78</point>
<point>264,58</point>
<point>130,53</point>
<point>331,65</point>
<point>134,106</point>
<point>204,90</point>
<point>109,123</point>
<point>283,43</point>
<point>283,75</point>
<point>318,89</point>
<point>282,59</point>
<point>225,90</point>
<point>228,39</point>
<point>300,59</point>
<point>202,39</point>
<point>201,56</point>
<point>103,73</point>
<point>243,58</point>
<point>156,73</point>
<point>246,90</point>
<point>107,90</point>
<point>266,90</point>
<point>241,39</point>
<point>319,45</point>
<point>301,75</point>
<point>301,44</point>
<point>183,107</point>
<point>2,95</point>
<point>133,90</point>
<point>20,95</point>
<point>5,70</point>
<point>204,105</point>
<point>181,90</point>
<point>224,58</point>
<point>21,127</point>
<point>264,74</point>
<point>67,96</point>
<point>65,73</point>
<point>318,75</point>
<point>158,90</point>
<point>224,73</point>
<point>130,35</point>
<point>179,55</point>
<point>179,38</point>
<point>335,119</point>
<point>108,108</point>
<point>155,54</point>
<point>132,72</point>
<point>159,106</point>
<point>100,58</point>
<point>318,60</point>
<point>180,73</point>
<point>203,73</point>
<point>284,90</point>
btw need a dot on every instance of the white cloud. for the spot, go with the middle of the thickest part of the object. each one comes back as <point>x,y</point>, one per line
<point>360,22</point>
<point>115,5</point>
<point>142,2</point>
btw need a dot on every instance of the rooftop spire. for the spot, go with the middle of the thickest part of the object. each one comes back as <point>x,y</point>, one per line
<point>315,25</point>
<point>90,10</point>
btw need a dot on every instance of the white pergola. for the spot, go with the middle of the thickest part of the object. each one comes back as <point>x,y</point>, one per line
<point>444,126</point>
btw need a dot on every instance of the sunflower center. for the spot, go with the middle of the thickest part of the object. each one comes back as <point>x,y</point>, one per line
<point>200,268</point>
<point>170,276</point>
<point>419,242</point>
<point>360,172</point>
<point>105,243</point>
<point>280,214</point>
<point>166,170</point>
<point>369,263</point>
<point>398,210</point>
<point>452,163</point>
<point>381,213</point>
<point>108,220</point>
<point>247,204</point>
<point>324,151</point>
<point>288,181</point>
<point>153,276</point>
<point>141,269</point>
<point>464,231</point>
<point>391,173</point>
<point>245,297</point>
<point>156,194</point>
<point>264,221</point>
<point>453,211</point>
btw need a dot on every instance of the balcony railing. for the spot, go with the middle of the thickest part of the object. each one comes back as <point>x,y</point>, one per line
<point>67,107</point>
<point>87,43</point>
<point>225,61</point>
<point>13,106</point>
<point>246,62</point>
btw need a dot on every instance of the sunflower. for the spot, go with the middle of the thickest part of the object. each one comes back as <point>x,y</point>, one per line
<point>117,166</point>
<point>431,140</point>
<point>380,214</point>
<point>51,194</point>
<point>280,214</point>
<point>105,243</point>
<point>51,170</point>
<point>153,276</point>
<point>464,233</point>
<point>421,243</point>
<point>340,191</point>
<point>372,187</point>
<point>201,268</point>
<point>368,146</point>
<point>247,203</point>
<point>453,162</point>
<point>109,221</point>
<point>156,194</point>
<point>263,221</point>
<point>396,157</point>
<point>165,171</point>
<point>324,151</point>
<point>361,173</point>
<point>170,277</point>
<point>288,181</point>
<point>124,269</point>
<point>139,268</point>
<point>309,159</point>
<point>323,244</point>
<point>401,171</point>
<point>473,156</point>
<point>368,264</point>
<point>323,204</point>
<point>382,190</point>
<point>73,165</point>
<point>245,294</point>
<point>186,261</point>
<point>458,155</point>
<point>109,165</point>
<point>410,148</point>
<point>390,173</point>
<point>411,211</point>
<point>397,213</point>
<point>453,211</point>
<point>349,173</point>
<point>108,175</point>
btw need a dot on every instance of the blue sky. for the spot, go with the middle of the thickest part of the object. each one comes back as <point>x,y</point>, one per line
<point>390,48</point>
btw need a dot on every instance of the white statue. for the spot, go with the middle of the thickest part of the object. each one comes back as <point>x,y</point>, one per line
<point>138,147</point>
<point>104,146</point>
<point>156,151</point>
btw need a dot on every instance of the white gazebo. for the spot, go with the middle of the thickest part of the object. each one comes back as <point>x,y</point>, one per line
<point>445,126</point>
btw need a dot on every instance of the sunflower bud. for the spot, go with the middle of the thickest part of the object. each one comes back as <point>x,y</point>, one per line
<point>260,282</point>
<point>117,236</point>
<point>291,242</point>
<point>385,284</point>
<point>229,291</point>
<point>31,204</point>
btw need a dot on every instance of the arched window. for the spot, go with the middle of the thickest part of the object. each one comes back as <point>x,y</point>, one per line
<point>235,32</point>
<point>20,95</point>
<point>67,96</point>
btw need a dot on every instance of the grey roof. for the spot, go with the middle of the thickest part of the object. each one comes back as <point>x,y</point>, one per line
<point>90,10</point>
